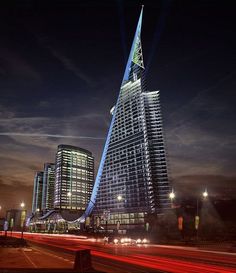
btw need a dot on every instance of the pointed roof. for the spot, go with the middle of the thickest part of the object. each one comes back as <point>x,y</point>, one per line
<point>135,55</point>
<point>135,59</point>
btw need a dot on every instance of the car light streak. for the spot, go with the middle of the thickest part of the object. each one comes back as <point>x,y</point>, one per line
<point>167,264</point>
<point>158,262</point>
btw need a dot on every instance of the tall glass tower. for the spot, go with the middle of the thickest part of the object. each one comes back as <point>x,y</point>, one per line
<point>48,187</point>
<point>38,192</point>
<point>132,180</point>
<point>74,177</point>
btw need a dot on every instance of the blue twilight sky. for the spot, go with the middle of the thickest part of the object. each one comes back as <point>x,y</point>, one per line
<point>61,66</point>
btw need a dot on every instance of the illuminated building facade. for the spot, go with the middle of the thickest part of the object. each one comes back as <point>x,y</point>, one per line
<point>37,192</point>
<point>132,180</point>
<point>48,187</point>
<point>74,178</point>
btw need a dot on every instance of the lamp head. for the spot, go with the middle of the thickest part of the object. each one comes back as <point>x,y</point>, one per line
<point>119,198</point>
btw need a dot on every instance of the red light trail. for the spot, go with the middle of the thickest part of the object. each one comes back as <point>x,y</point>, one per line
<point>176,260</point>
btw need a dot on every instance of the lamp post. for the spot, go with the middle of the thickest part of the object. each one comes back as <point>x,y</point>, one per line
<point>107,214</point>
<point>119,198</point>
<point>22,224</point>
<point>197,217</point>
<point>172,196</point>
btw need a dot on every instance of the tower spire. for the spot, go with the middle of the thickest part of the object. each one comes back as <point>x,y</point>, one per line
<point>135,57</point>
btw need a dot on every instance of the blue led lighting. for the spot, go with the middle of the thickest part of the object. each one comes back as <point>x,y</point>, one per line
<point>92,201</point>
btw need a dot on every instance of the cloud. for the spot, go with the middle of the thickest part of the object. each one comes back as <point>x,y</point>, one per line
<point>67,62</point>
<point>49,135</point>
<point>13,66</point>
<point>28,142</point>
<point>15,124</point>
<point>9,198</point>
<point>194,150</point>
<point>211,101</point>
<point>201,136</point>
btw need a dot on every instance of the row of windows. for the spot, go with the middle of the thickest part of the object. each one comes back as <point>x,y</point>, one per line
<point>64,151</point>
<point>74,169</point>
<point>73,207</point>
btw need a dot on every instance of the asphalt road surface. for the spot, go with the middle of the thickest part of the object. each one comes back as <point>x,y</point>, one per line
<point>127,258</point>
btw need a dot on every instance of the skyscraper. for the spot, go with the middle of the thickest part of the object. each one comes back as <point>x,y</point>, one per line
<point>48,186</point>
<point>74,177</point>
<point>37,192</point>
<point>132,179</point>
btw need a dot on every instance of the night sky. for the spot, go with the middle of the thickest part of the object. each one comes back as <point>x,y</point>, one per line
<point>61,65</point>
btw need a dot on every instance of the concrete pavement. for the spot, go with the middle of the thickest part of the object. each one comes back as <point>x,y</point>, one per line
<point>31,257</point>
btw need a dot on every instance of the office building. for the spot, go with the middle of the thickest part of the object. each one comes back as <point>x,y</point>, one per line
<point>132,180</point>
<point>48,187</point>
<point>74,178</point>
<point>37,192</point>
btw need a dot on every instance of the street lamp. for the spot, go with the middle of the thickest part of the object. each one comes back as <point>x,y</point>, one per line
<point>205,194</point>
<point>119,197</point>
<point>172,195</point>
<point>22,227</point>
<point>197,217</point>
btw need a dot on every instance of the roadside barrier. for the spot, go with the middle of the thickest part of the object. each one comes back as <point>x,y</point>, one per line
<point>83,261</point>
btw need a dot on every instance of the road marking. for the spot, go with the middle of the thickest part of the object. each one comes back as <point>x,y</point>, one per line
<point>54,256</point>
<point>118,267</point>
<point>28,258</point>
<point>27,249</point>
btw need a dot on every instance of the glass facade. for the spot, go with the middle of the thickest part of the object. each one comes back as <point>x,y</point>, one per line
<point>48,186</point>
<point>156,147</point>
<point>38,192</point>
<point>133,165</point>
<point>74,177</point>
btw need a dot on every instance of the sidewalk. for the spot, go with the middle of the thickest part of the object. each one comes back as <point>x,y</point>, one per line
<point>6,241</point>
<point>17,256</point>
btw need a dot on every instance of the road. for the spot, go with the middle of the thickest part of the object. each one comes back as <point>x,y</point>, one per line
<point>126,259</point>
